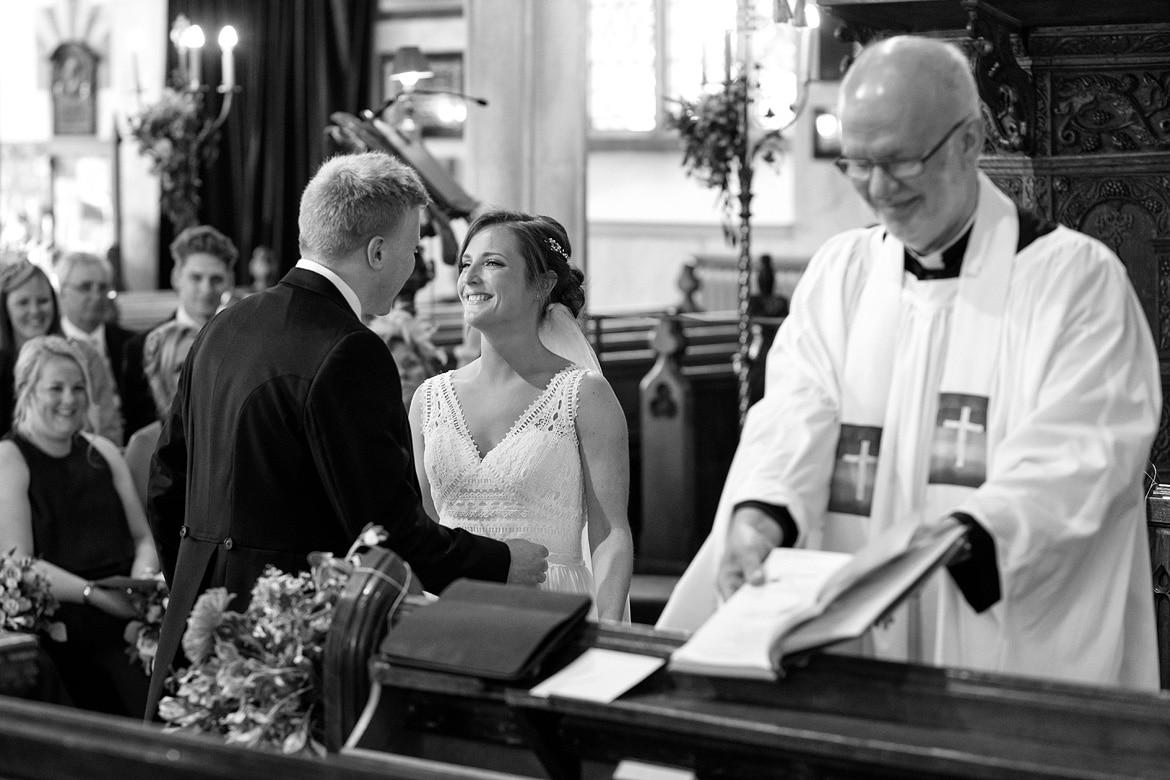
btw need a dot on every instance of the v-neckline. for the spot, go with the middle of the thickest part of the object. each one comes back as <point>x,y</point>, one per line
<point>465,429</point>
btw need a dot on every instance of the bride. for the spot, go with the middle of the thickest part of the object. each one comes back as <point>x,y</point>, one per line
<point>523,441</point>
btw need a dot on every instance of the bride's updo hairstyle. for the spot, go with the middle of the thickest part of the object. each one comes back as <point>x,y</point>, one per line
<point>544,245</point>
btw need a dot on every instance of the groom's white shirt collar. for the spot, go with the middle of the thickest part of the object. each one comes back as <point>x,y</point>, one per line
<point>345,290</point>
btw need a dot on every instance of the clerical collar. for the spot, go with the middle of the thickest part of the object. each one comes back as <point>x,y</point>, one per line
<point>926,267</point>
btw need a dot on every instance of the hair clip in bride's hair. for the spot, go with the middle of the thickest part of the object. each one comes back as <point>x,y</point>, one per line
<point>556,247</point>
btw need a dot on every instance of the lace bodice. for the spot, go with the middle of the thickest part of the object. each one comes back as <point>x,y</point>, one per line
<point>529,486</point>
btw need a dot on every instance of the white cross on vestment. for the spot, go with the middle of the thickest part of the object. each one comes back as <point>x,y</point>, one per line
<point>863,460</point>
<point>964,426</point>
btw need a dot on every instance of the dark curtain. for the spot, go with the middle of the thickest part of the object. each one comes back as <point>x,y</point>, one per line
<point>297,62</point>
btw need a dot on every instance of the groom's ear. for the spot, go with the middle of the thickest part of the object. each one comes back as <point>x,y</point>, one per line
<point>376,253</point>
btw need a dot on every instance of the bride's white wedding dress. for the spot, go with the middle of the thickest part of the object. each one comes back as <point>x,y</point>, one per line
<point>528,486</point>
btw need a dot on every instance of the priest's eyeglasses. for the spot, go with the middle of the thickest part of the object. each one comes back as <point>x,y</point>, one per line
<point>861,170</point>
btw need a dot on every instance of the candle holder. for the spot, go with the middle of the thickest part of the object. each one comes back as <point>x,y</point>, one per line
<point>175,132</point>
<point>722,142</point>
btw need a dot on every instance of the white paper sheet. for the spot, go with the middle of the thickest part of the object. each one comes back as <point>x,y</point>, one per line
<point>599,675</point>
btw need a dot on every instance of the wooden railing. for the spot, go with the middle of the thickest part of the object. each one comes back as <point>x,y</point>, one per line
<point>49,742</point>
<point>830,716</point>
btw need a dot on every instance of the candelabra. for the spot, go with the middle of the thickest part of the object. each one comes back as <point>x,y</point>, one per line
<point>174,132</point>
<point>188,41</point>
<point>754,142</point>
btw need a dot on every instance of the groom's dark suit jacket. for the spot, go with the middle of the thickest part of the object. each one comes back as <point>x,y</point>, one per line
<point>288,436</point>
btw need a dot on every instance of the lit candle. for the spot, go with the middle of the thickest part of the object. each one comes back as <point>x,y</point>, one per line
<point>194,39</point>
<point>727,55</point>
<point>135,45</point>
<point>181,48</point>
<point>227,45</point>
<point>807,43</point>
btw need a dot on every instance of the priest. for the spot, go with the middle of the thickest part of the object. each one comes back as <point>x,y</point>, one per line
<point>966,362</point>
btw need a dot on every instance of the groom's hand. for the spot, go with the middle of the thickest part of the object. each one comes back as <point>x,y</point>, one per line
<point>529,562</point>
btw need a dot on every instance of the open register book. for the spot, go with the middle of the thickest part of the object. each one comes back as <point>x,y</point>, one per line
<point>811,599</point>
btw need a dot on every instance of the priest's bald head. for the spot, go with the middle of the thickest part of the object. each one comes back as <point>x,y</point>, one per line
<point>911,136</point>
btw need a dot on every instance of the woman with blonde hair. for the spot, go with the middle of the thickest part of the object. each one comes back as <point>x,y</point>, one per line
<point>28,308</point>
<point>66,498</point>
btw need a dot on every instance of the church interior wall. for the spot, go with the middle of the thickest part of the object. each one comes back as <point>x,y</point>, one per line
<point>645,218</point>
<point>128,60</point>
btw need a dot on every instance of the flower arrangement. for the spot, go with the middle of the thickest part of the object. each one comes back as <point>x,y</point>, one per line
<point>256,676</point>
<point>720,147</point>
<point>26,599</point>
<point>171,134</point>
<point>142,633</point>
<point>714,135</point>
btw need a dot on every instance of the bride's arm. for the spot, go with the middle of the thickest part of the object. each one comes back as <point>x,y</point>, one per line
<point>605,467</point>
<point>420,447</point>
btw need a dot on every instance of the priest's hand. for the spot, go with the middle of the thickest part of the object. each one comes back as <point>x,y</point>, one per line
<point>753,534</point>
<point>529,562</point>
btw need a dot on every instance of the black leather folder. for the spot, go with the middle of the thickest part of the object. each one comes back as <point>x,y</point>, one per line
<point>487,630</point>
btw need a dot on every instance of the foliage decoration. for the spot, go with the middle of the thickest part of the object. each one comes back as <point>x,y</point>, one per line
<point>720,148</point>
<point>172,134</point>
<point>714,135</point>
<point>256,676</point>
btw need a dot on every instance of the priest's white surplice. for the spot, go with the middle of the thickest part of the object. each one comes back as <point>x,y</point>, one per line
<point>1074,404</point>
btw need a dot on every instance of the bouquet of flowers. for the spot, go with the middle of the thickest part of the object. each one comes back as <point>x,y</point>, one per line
<point>26,599</point>
<point>142,633</point>
<point>256,677</point>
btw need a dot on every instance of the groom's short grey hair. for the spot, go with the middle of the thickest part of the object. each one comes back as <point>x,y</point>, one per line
<point>353,198</point>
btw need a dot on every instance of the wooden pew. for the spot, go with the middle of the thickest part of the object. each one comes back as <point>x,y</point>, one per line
<point>49,742</point>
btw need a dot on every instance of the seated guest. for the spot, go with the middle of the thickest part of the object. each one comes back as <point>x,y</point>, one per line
<point>28,308</point>
<point>166,349</point>
<point>66,497</point>
<point>410,343</point>
<point>84,281</point>
<point>204,259</point>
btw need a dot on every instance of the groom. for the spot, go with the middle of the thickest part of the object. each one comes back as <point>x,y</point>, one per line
<point>288,434</point>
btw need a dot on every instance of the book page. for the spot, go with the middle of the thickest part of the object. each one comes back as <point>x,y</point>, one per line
<point>736,641</point>
<point>856,608</point>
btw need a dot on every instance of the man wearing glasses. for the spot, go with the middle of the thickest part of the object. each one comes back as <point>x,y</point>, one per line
<point>962,362</point>
<point>85,281</point>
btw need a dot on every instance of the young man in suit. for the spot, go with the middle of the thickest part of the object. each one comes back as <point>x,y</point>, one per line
<point>203,271</point>
<point>288,433</point>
